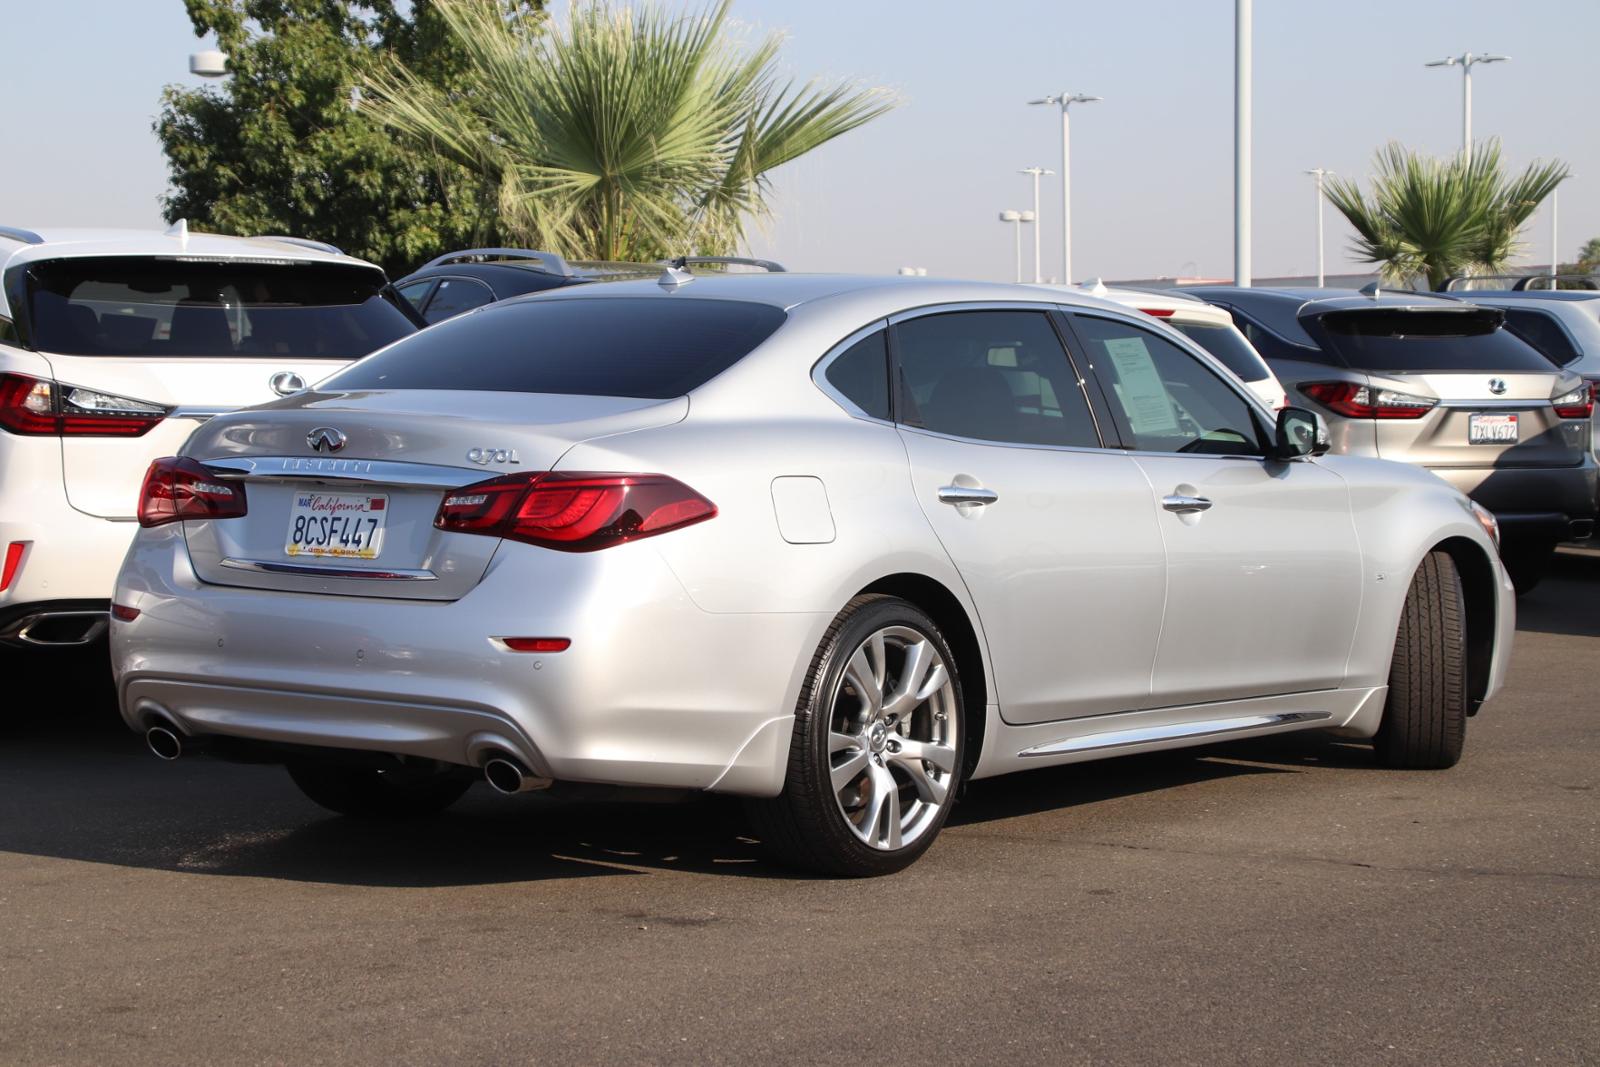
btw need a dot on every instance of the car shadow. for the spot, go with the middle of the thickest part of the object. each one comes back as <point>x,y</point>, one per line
<point>1568,600</point>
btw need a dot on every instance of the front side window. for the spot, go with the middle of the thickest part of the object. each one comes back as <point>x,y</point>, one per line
<point>860,374</point>
<point>1163,398</point>
<point>991,376</point>
<point>176,308</point>
<point>454,296</point>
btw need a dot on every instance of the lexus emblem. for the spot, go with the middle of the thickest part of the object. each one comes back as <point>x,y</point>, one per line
<point>325,439</point>
<point>1497,386</point>
<point>286,383</point>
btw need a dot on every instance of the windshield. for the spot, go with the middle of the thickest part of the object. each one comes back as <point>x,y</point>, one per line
<point>156,307</point>
<point>1228,346</point>
<point>1399,341</point>
<point>654,348</point>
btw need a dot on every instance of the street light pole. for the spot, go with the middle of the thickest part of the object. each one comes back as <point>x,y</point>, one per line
<point>1017,218</point>
<point>1466,61</point>
<point>1035,172</point>
<point>1319,173</point>
<point>1064,101</point>
<point>1242,91</point>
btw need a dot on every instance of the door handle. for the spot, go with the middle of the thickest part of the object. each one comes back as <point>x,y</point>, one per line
<point>1185,505</point>
<point>964,494</point>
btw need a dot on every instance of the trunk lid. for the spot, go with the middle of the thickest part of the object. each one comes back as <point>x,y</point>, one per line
<point>1482,406</point>
<point>402,452</point>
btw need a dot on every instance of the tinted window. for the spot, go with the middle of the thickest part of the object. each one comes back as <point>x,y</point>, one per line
<point>1272,347</point>
<point>861,374</point>
<point>454,296</point>
<point>1543,332</point>
<point>167,308</point>
<point>642,347</point>
<point>1229,346</point>
<point>415,292</point>
<point>993,376</point>
<point>1394,341</point>
<point>1164,399</point>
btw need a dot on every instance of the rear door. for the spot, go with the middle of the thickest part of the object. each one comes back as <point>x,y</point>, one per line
<point>195,338</point>
<point>1264,571</point>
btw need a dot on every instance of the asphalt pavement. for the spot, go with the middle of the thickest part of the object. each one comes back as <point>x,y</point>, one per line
<point>1281,901</point>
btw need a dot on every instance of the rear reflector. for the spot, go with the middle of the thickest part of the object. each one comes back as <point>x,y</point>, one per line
<point>1578,404</point>
<point>536,644</point>
<point>35,407</point>
<point>1362,402</point>
<point>13,559</point>
<point>176,488</point>
<point>573,512</point>
<point>123,613</point>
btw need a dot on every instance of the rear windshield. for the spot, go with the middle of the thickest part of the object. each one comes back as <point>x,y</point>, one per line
<point>634,347</point>
<point>121,306</point>
<point>1395,341</point>
<point>1230,348</point>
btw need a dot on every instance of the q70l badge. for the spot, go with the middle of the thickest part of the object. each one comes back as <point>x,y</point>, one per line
<point>485,456</point>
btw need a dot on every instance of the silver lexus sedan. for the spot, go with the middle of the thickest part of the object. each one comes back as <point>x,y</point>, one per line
<point>834,544</point>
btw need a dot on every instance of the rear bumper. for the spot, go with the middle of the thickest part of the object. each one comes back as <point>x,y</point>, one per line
<point>68,564</point>
<point>1532,503</point>
<point>652,692</point>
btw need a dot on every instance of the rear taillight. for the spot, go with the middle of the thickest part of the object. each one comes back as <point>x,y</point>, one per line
<point>176,489</point>
<point>1364,402</point>
<point>37,407</point>
<point>1578,404</point>
<point>573,512</point>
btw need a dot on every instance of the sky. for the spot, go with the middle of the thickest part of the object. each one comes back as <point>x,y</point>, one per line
<point>1152,174</point>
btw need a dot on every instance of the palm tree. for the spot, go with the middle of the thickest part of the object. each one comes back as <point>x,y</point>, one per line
<point>1440,218</point>
<point>626,135</point>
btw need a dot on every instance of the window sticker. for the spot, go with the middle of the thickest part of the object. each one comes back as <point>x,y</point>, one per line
<point>1140,388</point>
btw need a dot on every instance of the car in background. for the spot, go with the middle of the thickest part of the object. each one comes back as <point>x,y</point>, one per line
<point>833,544</point>
<point>1209,327</point>
<point>460,281</point>
<point>1439,382</point>
<point>114,346</point>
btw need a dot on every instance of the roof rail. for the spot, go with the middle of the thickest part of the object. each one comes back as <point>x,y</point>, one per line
<point>685,262</point>
<point>16,233</point>
<point>1520,282</point>
<point>303,242</point>
<point>548,262</point>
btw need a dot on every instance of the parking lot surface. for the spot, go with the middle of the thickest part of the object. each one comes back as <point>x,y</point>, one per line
<point>1270,902</point>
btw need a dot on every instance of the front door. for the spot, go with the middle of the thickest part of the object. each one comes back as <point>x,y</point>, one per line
<point>1264,571</point>
<point>1052,533</point>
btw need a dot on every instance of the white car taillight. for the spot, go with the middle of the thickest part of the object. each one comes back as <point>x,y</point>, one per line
<point>38,407</point>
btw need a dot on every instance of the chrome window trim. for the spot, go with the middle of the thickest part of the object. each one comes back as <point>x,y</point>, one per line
<point>819,371</point>
<point>976,305</point>
<point>372,574</point>
<point>318,469</point>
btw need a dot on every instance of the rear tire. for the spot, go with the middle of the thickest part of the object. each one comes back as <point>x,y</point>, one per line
<point>370,793</point>
<point>1425,720</point>
<point>1528,564</point>
<point>876,757</point>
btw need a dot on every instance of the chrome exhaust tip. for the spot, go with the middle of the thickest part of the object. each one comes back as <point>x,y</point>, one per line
<point>506,775</point>
<point>165,743</point>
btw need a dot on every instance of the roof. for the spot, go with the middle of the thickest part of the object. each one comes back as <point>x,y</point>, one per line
<point>76,242</point>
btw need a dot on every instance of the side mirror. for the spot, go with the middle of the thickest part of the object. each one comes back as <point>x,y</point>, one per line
<point>1300,433</point>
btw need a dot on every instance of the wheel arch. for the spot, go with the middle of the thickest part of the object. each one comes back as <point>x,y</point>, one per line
<point>947,611</point>
<point>1478,588</point>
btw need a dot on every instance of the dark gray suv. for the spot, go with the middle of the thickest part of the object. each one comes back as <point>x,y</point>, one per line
<point>1438,382</point>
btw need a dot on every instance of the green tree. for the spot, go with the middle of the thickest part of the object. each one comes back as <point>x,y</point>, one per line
<point>281,147</point>
<point>625,135</point>
<point>1436,218</point>
<point>1589,255</point>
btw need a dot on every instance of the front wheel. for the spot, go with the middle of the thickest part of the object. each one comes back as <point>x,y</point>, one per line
<point>401,792</point>
<point>878,741</point>
<point>1425,720</point>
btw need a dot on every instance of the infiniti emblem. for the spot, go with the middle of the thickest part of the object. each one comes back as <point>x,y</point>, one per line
<point>1497,386</point>
<point>286,383</point>
<point>325,439</point>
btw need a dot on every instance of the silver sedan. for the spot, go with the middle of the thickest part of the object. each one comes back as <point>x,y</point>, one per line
<point>835,544</point>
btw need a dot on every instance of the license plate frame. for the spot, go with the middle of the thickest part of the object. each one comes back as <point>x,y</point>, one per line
<point>336,525</point>
<point>1493,428</point>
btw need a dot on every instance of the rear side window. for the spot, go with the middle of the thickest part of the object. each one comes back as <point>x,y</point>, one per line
<point>860,374</point>
<point>1542,331</point>
<point>454,296</point>
<point>992,376</point>
<point>1228,346</point>
<point>1396,342</point>
<point>653,348</point>
<point>172,308</point>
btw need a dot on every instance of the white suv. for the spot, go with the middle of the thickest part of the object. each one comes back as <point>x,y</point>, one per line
<point>114,346</point>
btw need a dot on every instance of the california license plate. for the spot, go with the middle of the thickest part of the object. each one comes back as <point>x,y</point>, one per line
<point>1491,429</point>
<point>338,525</point>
